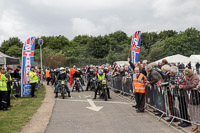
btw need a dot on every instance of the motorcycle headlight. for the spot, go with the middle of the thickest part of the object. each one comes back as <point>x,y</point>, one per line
<point>104,82</point>
<point>62,82</point>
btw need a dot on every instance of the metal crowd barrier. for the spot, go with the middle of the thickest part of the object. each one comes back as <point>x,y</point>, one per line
<point>16,91</point>
<point>183,105</point>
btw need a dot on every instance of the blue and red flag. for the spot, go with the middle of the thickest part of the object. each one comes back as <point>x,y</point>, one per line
<point>136,41</point>
<point>27,62</point>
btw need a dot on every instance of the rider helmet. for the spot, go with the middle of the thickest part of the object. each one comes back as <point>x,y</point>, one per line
<point>62,69</point>
<point>100,72</point>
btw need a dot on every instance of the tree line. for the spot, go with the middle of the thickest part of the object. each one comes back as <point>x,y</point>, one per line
<point>83,49</point>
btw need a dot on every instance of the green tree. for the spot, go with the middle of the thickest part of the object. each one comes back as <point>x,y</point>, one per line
<point>7,44</point>
<point>14,51</point>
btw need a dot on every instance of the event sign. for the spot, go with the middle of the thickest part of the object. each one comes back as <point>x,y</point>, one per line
<point>136,41</point>
<point>27,62</point>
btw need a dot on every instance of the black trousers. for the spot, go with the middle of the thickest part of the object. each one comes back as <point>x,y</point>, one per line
<point>8,98</point>
<point>52,81</point>
<point>140,100</point>
<point>88,84</point>
<point>3,96</point>
<point>183,107</point>
<point>98,88</point>
<point>48,80</point>
<point>33,89</point>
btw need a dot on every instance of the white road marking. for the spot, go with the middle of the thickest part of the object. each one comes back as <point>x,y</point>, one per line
<point>93,106</point>
<point>87,96</point>
<point>85,101</point>
<point>79,96</point>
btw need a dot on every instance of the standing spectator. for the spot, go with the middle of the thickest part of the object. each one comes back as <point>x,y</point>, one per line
<point>159,65</point>
<point>71,73</point>
<point>174,84</point>
<point>48,76</point>
<point>3,90</point>
<point>189,65</point>
<point>154,78</point>
<point>192,81</point>
<point>33,80</point>
<point>127,80</point>
<point>9,85</point>
<point>139,87</point>
<point>197,67</point>
<point>166,70</point>
<point>144,63</point>
<point>122,72</point>
<point>164,62</point>
<point>17,72</point>
<point>53,77</point>
<point>116,72</point>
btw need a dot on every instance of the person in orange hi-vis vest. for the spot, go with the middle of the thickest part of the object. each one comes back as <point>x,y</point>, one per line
<point>48,77</point>
<point>139,89</point>
<point>71,73</point>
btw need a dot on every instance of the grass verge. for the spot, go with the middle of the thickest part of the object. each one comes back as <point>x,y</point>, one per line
<point>23,109</point>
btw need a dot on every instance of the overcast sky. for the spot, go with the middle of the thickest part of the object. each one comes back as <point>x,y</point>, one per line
<point>25,18</point>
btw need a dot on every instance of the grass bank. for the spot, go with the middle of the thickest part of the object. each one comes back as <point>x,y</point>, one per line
<point>23,109</point>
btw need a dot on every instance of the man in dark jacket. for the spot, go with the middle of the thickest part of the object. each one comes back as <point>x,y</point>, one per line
<point>9,85</point>
<point>156,97</point>
<point>77,74</point>
<point>17,73</point>
<point>153,76</point>
<point>91,75</point>
<point>197,67</point>
<point>62,76</point>
<point>17,76</point>
<point>52,73</point>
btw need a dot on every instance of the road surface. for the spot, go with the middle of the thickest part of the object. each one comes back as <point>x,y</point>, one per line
<point>73,115</point>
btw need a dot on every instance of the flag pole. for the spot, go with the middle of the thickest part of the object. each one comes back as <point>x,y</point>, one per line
<point>129,53</point>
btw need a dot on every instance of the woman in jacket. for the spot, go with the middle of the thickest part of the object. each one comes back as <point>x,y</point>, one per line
<point>192,82</point>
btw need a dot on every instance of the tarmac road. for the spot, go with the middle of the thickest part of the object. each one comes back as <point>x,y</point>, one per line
<point>70,115</point>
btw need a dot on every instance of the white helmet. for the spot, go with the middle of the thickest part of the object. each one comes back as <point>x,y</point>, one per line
<point>62,68</point>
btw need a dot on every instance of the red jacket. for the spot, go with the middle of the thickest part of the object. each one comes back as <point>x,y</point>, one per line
<point>72,71</point>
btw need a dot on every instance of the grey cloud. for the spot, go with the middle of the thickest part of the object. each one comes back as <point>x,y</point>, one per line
<point>25,18</point>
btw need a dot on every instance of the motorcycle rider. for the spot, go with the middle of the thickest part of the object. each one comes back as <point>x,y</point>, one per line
<point>91,75</point>
<point>62,76</point>
<point>77,74</point>
<point>101,76</point>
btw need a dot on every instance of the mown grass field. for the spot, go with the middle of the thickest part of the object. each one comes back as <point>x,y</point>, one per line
<point>23,109</point>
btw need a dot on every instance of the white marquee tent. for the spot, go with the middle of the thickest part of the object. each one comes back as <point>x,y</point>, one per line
<point>195,57</point>
<point>178,58</point>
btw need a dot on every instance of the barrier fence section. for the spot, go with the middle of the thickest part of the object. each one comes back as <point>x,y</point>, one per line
<point>177,104</point>
<point>16,91</point>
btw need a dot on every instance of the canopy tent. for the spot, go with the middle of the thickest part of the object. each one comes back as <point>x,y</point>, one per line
<point>8,60</point>
<point>195,57</point>
<point>178,58</point>
<point>121,63</point>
